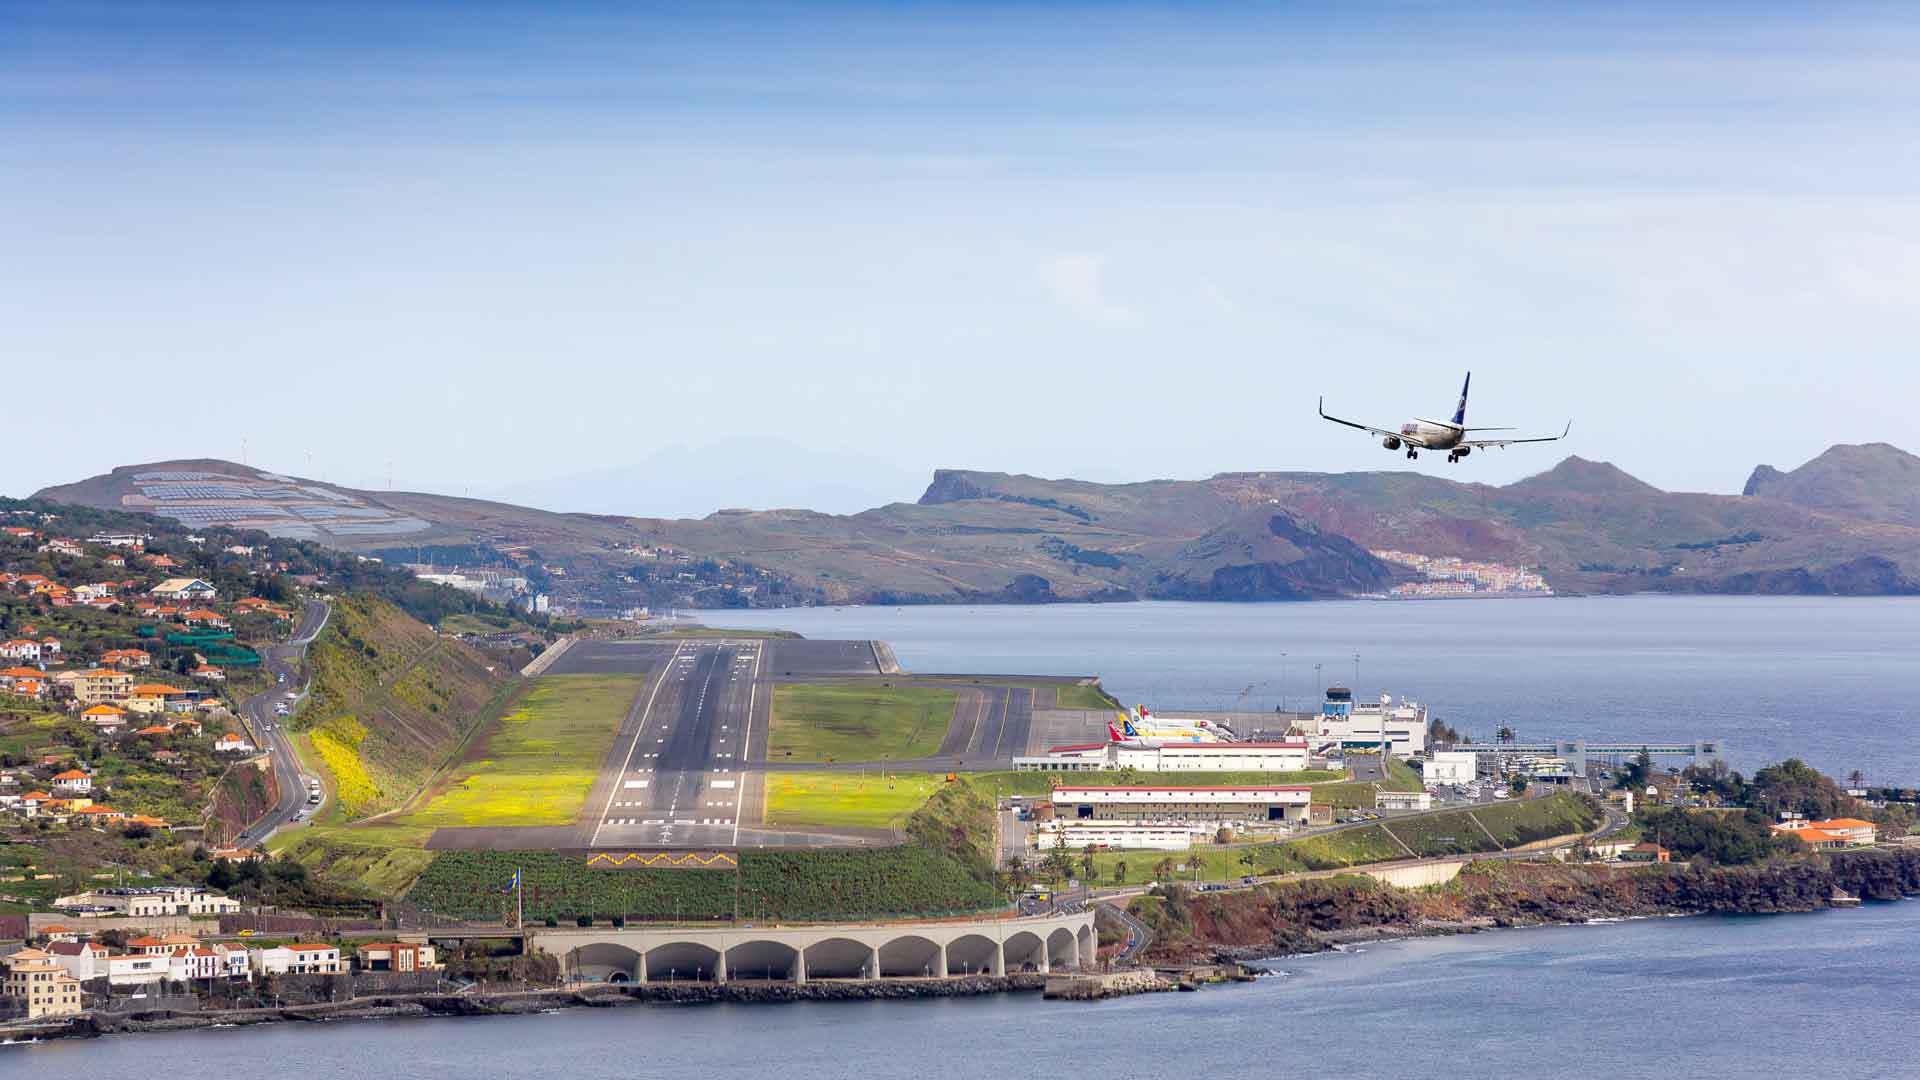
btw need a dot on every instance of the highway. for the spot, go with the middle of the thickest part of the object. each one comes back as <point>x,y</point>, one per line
<point>682,774</point>
<point>282,660</point>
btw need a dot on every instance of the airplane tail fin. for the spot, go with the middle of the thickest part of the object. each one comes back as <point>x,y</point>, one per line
<point>1113,733</point>
<point>1460,410</point>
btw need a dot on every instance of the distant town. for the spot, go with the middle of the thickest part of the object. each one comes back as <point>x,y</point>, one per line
<point>1444,576</point>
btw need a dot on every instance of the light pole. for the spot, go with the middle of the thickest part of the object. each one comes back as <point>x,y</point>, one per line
<point>1283,682</point>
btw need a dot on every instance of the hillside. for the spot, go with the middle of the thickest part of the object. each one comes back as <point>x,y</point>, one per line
<point>1847,522</point>
<point>392,701</point>
<point>1874,482</point>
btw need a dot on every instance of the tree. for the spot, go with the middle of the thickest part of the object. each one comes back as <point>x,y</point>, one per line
<point>1058,865</point>
<point>1249,860</point>
<point>1795,787</point>
<point>1634,776</point>
<point>1223,835</point>
<point>221,876</point>
<point>1518,785</point>
<point>1019,876</point>
<point>1086,864</point>
<point>1856,779</point>
<point>1120,872</point>
<point>1164,868</point>
<point>1505,734</point>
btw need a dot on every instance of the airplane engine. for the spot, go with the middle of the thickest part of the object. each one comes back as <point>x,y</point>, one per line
<point>1390,443</point>
<point>1462,451</point>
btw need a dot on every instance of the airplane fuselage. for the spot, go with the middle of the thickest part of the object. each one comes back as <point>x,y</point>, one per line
<point>1434,436</point>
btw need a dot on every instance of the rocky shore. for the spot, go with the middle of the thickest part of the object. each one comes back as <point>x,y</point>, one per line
<point>1291,918</point>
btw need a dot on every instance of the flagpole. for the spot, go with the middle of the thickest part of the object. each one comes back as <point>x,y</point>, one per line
<point>519,901</point>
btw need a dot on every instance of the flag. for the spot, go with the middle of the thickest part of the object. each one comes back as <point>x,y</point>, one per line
<point>513,882</point>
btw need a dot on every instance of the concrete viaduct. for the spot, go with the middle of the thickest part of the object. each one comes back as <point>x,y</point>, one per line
<point>842,951</point>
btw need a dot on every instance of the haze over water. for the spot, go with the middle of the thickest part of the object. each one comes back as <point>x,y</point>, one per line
<point>1834,681</point>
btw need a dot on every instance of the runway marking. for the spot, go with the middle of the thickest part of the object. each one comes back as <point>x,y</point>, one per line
<point>636,784</point>
<point>700,859</point>
<point>746,741</point>
<point>721,784</point>
<point>628,763</point>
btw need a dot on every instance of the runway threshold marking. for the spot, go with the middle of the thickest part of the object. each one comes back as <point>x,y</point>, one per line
<point>627,763</point>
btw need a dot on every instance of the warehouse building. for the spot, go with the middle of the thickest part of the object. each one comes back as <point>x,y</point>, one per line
<point>1279,803</point>
<point>1174,757</point>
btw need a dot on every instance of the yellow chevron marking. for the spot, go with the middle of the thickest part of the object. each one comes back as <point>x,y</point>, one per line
<point>674,860</point>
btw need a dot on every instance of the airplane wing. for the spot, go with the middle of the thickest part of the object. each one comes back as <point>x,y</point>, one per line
<point>1484,444</point>
<point>1408,439</point>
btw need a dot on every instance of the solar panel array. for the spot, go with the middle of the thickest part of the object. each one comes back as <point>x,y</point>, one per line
<point>176,476</point>
<point>208,515</point>
<point>378,528</point>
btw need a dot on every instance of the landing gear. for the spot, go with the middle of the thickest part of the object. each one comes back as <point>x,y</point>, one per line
<point>1411,454</point>
<point>1451,458</point>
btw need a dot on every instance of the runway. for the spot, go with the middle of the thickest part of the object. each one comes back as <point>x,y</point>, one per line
<point>681,772</point>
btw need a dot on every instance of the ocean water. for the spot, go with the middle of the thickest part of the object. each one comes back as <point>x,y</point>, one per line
<point>1827,994</point>
<point>1834,681</point>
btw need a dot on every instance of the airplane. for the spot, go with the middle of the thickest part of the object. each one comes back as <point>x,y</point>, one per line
<point>1448,435</point>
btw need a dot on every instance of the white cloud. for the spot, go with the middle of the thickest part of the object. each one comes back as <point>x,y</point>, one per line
<point>1076,283</point>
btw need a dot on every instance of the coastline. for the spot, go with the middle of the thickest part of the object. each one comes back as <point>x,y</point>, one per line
<point>518,1003</point>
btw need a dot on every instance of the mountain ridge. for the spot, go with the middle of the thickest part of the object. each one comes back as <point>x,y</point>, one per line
<point>1847,521</point>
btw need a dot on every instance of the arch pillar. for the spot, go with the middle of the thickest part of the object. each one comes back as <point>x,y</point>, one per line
<point>940,961</point>
<point>999,959</point>
<point>640,968</point>
<point>871,969</point>
<point>720,964</point>
<point>800,966</point>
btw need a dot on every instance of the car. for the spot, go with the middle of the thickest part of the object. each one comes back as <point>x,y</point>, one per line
<point>248,933</point>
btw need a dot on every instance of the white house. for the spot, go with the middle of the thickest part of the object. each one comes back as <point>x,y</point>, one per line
<point>186,590</point>
<point>195,962</point>
<point>22,649</point>
<point>82,959</point>
<point>74,781</point>
<point>136,969</point>
<point>297,960</point>
<point>231,744</point>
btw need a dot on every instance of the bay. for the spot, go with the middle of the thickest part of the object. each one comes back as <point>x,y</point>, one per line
<point>1834,681</point>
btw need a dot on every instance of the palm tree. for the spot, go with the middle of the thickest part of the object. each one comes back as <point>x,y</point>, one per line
<point>1120,872</point>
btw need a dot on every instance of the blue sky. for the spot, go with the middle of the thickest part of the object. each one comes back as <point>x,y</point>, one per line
<point>498,244</point>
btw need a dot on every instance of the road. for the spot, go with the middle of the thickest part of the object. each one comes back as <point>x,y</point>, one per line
<point>682,774</point>
<point>282,661</point>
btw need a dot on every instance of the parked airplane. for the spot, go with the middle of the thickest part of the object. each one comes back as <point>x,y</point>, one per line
<point>1448,435</point>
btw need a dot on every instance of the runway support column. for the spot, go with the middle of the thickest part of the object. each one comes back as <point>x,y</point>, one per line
<point>940,963</point>
<point>800,967</point>
<point>999,959</point>
<point>640,968</point>
<point>720,964</point>
<point>871,969</point>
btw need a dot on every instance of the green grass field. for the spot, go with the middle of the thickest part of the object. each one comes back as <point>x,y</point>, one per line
<point>1448,833</point>
<point>858,723</point>
<point>539,763</point>
<point>850,799</point>
<point>1085,697</point>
